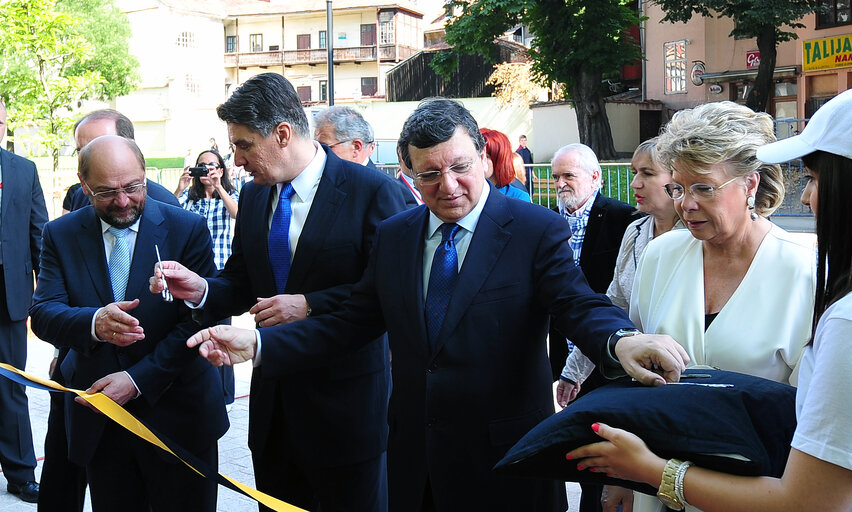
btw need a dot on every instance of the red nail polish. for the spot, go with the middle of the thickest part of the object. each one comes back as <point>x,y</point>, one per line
<point>568,456</point>
<point>596,426</point>
<point>580,467</point>
<point>593,470</point>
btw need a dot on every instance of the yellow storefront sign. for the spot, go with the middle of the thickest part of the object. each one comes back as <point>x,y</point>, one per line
<point>827,53</point>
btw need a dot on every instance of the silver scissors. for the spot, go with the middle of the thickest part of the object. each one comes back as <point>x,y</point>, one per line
<point>167,295</point>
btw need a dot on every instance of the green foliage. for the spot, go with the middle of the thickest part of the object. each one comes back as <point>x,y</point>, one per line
<point>53,57</point>
<point>751,17</point>
<point>571,36</point>
<point>107,29</point>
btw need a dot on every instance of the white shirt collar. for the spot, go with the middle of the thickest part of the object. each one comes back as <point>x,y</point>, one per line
<point>105,225</point>
<point>469,221</point>
<point>305,183</point>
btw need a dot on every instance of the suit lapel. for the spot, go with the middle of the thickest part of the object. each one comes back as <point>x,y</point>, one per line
<point>597,216</point>
<point>324,209</point>
<point>152,230</point>
<point>10,182</point>
<point>489,239</point>
<point>95,261</point>
<point>410,248</point>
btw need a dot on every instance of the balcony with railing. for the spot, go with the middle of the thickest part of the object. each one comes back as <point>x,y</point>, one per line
<point>387,52</point>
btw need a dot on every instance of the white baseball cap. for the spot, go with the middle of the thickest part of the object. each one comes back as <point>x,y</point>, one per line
<point>829,130</point>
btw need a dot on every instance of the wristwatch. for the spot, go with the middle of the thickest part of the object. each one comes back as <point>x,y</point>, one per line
<point>617,335</point>
<point>666,492</point>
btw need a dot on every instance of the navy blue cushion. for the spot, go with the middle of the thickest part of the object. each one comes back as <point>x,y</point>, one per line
<point>754,420</point>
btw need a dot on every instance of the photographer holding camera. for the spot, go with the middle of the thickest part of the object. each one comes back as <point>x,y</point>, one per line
<point>213,196</point>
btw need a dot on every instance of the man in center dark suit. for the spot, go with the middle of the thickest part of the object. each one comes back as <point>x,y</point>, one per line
<point>317,436</point>
<point>126,343</point>
<point>465,286</point>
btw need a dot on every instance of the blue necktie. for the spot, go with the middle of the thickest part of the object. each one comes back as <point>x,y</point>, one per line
<point>279,239</point>
<point>119,263</point>
<point>442,281</point>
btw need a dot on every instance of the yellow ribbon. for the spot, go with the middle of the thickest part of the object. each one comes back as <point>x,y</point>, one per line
<point>119,415</point>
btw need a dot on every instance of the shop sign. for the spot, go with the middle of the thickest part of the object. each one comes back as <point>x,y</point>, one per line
<point>715,89</point>
<point>697,73</point>
<point>752,59</point>
<point>827,53</point>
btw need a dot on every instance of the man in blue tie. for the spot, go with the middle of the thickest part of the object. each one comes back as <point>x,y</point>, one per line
<point>470,369</point>
<point>304,231</point>
<point>126,343</point>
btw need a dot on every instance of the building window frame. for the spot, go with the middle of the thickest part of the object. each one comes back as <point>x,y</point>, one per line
<point>186,39</point>
<point>369,85</point>
<point>674,65</point>
<point>256,42</point>
<point>304,92</point>
<point>230,44</point>
<point>323,90</point>
<point>323,40</point>
<point>832,15</point>
<point>368,34</point>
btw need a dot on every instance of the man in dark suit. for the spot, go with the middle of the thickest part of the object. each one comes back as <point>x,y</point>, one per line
<point>111,122</point>
<point>64,482</point>
<point>465,288</point>
<point>95,260</point>
<point>317,436</point>
<point>345,131</point>
<point>22,217</point>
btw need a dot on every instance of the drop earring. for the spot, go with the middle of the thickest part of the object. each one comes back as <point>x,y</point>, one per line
<point>750,203</point>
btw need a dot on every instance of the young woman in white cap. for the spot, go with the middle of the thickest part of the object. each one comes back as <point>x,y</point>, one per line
<point>818,475</point>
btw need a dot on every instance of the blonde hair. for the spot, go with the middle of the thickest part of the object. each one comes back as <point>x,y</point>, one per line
<point>723,133</point>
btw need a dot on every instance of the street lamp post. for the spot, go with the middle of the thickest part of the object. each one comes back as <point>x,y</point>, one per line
<point>330,44</point>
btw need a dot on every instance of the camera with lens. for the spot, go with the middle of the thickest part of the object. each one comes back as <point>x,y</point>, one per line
<point>198,172</point>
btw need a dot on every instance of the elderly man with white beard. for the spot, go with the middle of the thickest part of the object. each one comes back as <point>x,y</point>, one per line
<point>597,227</point>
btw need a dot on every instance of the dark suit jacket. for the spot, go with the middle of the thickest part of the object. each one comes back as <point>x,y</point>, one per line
<point>410,201</point>
<point>454,412</point>
<point>335,414</point>
<point>608,219</point>
<point>181,393</point>
<point>155,191</point>
<point>22,217</point>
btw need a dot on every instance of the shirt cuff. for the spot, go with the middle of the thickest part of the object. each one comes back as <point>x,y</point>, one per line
<point>256,359</point>
<point>200,305</point>
<point>138,393</point>
<point>95,336</point>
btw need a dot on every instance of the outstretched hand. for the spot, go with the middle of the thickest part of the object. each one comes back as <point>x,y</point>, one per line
<point>183,283</point>
<point>113,324</point>
<point>621,455</point>
<point>652,359</point>
<point>224,344</point>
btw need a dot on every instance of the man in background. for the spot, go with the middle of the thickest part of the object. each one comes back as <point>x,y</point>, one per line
<point>597,226</point>
<point>23,214</point>
<point>111,122</point>
<point>345,131</point>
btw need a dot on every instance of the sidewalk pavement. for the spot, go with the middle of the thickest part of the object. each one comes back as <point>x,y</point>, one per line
<point>234,455</point>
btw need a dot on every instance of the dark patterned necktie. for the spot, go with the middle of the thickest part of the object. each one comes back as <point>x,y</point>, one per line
<point>279,239</point>
<point>442,281</point>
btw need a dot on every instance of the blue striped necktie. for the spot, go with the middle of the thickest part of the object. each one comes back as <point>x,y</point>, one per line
<point>442,281</point>
<point>119,262</point>
<point>279,239</point>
